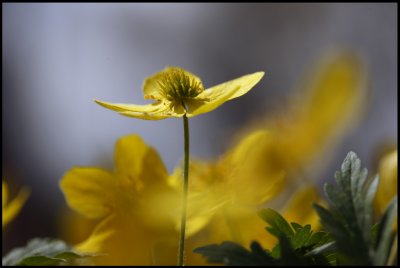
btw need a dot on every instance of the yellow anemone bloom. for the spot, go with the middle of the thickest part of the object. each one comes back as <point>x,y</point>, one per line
<point>11,210</point>
<point>135,205</point>
<point>330,101</point>
<point>225,193</point>
<point>178,92</point>
<point>243,225</point>
<point>387,188</point>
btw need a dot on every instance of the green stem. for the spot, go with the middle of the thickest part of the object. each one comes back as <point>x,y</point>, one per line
<point>181,250</point>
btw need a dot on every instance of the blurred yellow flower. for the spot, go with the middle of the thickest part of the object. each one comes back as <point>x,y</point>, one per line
<point>11,210</point>
<point>225,194</point>
<point>236,180</point>
<point>299,208</point>
<point>387,187</point>
<point>330,100</point>
<point>178,92</point>
<point>134,203</point>
<point>247,226</point>
<point>73,228</point>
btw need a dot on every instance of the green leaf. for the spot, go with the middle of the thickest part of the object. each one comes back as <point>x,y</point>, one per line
<point>350,216</point>
<point>44,252</point>
<point>230,253</point>
<point>293,244</point>
<point>295,226</point>
<point>322,249</point>
<point>352,237</point>
<point>279,226</point>
<point>301,237</point>
<point>385,234</point>
<point>41,261</point>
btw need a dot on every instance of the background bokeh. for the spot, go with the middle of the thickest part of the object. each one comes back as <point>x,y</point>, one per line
<point>58,57</point>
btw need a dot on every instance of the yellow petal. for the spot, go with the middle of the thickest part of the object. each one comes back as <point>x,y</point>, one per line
<point>206,196</point>
<point>123,240</point>
<point>137,162</point>
<point>387,188</point>
<point>89,191</point>
<point>249,145</point>
<point>331,101</point>
<point>151,88</point>
<point>299,208</point>
<point>11,210</point>
<point>101,233</point>
<point>74,228</point>
<point>5,194</point>
<point>154,111</point>
<point>253,176</point>
<point>219,94</point>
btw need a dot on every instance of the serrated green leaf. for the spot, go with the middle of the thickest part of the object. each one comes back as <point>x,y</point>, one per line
<point>322,249</point>
<point>349,218</point>
<point>43,252</point>
<point>276,252</point>
<point>301,237</point>
<point>230,253</point>
<point>385,234</point>
<point>316,238</point>
<point>330,222</point>
<point>296,226</point>
<point>351,240</point>
<point>278,224</point>
<point>41,261</point>
<point>292,246</point>
<point>342,203</point>
<point>374,233</point>
<point>288,254</point>
<point>332,259</point>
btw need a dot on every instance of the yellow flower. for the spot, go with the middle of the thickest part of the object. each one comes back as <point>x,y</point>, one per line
<point>330,101</point>
<point>247,226</point>
<point>73,228</point>
<point>299,208</point>
<point>178,92</point>
<point>238,179</point>
<point>387,187</point>
<point>226,194</point>
<point>11,210</point>
<point>134,203</point>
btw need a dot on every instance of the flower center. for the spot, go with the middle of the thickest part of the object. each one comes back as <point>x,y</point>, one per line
<point>175,85</point>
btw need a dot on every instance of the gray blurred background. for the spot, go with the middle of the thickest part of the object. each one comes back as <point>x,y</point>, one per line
<point>58,57</point>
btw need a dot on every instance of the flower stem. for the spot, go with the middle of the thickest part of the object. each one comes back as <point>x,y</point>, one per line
<point>181,250</point>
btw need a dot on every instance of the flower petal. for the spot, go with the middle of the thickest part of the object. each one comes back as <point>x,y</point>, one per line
<point>253,173</point>
<point>123,240</point>
<point>4,194</point>
<point>11,210</point>
<point>101,233</point>
<point>151,89</point>
<point>89,191</point>
<point>299,208</point>
<point>217,95</point>
<point>155,111</point>
<point>387,187</point>
<point>205,198</point>
<point>139,163</point>
<point>330,104</point>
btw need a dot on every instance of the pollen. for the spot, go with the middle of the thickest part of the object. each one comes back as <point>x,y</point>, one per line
<point>176,85</point>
